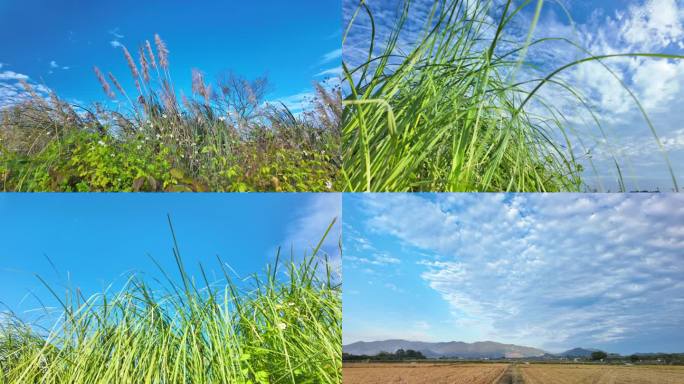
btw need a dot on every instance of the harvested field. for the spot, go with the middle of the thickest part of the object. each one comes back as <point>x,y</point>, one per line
<point>493,373</point>
<point>419,373</point>
<point>601,374</point>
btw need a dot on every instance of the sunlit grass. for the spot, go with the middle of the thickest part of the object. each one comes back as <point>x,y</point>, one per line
<point>450,114</point>
<point>286,328</point>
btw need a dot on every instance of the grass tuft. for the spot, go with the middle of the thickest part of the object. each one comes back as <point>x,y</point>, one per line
<point>279,330</point>
<point>447,114</point>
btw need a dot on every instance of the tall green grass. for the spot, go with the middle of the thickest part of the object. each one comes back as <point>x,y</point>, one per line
<point>280,330</point>
<point>448,114</point>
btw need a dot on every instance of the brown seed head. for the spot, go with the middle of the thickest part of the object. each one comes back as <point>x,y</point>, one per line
<point>162,51</point>
<point>105,85</point>
<point>116,83</point>
<point>131,63</point>
<point>150,53</point>
<point>144,66</point>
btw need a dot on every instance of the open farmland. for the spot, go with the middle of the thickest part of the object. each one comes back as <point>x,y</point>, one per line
<point>361,373</point>
<point>492,373</point>
<point>601,374</point>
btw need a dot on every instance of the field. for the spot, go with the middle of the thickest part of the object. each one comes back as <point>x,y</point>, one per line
<point>361,373</point>
<point>495,373</point>
<point>601,374</point>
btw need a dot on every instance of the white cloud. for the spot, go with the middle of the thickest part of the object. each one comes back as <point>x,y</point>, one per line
<point>653,24</point>
<point>556,271</point>
<point>306,232</point>
<point>116,33</point>
<point>13,92</point>
<point>53,64</point>
<point>11,75</point>
<point>115,43</point>
<point>332,55</point>
<point>335,71</point>
<point>297,102</point>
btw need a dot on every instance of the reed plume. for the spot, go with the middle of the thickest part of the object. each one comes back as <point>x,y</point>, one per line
<point>150,53</point>
<point>162,51</point>
<point>144,66</point>
<point>131,63</point>
<point>105,85</point>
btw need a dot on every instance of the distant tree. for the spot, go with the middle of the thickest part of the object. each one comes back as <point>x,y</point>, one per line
<point>598,355</point>
<point>634,358</point>
<point>240,96</point>
<point>400,353</point>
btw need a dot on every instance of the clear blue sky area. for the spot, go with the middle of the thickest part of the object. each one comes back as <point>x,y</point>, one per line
<point>58,42</point>
<point>98,239</point>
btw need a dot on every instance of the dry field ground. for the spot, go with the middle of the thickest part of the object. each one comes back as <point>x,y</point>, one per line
<point>601,374</point>
<point>461,373</point>
<point>419,373</point>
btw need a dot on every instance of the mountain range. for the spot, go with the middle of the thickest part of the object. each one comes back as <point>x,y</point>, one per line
<point>458,349</point>
<point>453,349</point>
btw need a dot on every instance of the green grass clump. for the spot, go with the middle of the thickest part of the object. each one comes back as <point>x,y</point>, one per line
<point>281,330</point>
<point>448,114</point>
<point>222,137</point>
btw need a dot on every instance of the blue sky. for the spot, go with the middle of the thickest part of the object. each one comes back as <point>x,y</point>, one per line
<point>96,240</point>
<point>602,27</point>
<point>56,44</point>
<point>554,271</point>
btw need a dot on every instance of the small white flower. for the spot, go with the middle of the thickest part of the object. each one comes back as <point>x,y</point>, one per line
<point>112,155</point>
<point>328,184</point>
<point>222,118</point>
<point>139,146</point>
<point>164,115</point>
<point>158,136</point>
<point>282,326</point>
<point>49,133</point>
<point>102,143</point>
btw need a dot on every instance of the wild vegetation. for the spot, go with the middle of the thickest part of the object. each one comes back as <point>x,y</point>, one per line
<point>222,137</point>
<point>284,327</point>
<point>446,112</point>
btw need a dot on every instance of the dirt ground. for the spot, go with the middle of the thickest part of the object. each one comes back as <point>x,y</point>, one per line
<point>601,374</point>
<point>494,373</point>
<point>360,373</point>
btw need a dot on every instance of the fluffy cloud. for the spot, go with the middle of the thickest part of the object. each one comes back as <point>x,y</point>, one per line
<point>13,90</point>
<point>556,271</point>
<point>305,232</point>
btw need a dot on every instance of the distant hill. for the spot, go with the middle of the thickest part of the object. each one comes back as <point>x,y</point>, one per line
<point>454,349</point>
<point>578,352</point>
